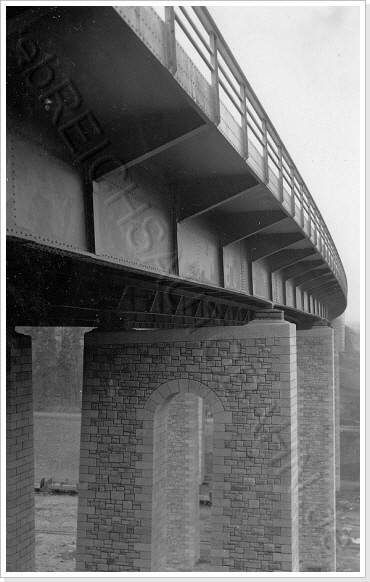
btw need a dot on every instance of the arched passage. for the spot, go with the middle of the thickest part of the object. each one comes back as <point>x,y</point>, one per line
<point>175,474</point>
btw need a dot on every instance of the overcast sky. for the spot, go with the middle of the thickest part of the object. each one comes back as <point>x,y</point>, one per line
<point>303,62</point>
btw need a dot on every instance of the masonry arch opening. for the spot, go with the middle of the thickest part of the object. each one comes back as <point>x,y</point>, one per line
<point>185,486</point>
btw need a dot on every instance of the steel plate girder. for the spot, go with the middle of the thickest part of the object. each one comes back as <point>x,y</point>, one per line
<point>311,276</point>
<point>317,283</point>
<point>329,291</point>
<point>299,269</point>
<point>288,258</point>
<point>261,246</point>
<point>156,151</point>
<point>121,95</point>
<point>239,226</point>
<point>335,301</point>
<point>334,304</point>
<point>212,193</point>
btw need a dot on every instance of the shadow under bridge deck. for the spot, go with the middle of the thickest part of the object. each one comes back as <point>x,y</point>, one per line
<point>147,187</point>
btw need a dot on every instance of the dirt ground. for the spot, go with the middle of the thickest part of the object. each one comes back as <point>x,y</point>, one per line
<point>348,527</point>
<point>56,525</point>
<point>56,529</point>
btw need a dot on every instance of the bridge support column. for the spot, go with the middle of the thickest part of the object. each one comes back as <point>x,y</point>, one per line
<point>247,377</point>
<point>339,346</point>
<point>316,422</point>
<point>20,485</point>
<point>183,539</point>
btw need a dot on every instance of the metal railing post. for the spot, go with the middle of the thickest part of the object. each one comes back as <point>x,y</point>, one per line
<point>302,203</point>
<point>171,39</point>
<point>316,226</point>
<point>265,152</point>
<point>215,83</point>
<point>309,215</point>
<point>243,102</point>
<point>292,202</point>
<point>280,166</point>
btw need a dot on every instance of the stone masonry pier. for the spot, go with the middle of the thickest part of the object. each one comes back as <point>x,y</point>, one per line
<point>247,376</point>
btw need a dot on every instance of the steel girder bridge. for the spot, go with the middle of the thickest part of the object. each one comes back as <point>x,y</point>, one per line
<point>147,186</point>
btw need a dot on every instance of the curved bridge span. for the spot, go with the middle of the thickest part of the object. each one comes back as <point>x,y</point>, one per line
<point>147,185</point>
<point>150,197</point>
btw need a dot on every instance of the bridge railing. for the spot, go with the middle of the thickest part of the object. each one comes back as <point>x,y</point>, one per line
<point>231,86</point>
<point>257,140</point>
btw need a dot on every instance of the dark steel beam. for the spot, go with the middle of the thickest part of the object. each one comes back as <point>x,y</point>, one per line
<point>309,275</point>
<point>316,282</point>
<point>302,267</point>
<point>330,291</point>
<point>261,246</point>
<point>118,172</point>
<point>225,190</point>
<point>289,258</point>
<point>239,226</point>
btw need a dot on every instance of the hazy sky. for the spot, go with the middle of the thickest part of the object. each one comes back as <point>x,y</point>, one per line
<point>303,62</point>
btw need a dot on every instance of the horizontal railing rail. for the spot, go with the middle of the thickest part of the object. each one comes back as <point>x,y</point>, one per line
<point>231,88</point>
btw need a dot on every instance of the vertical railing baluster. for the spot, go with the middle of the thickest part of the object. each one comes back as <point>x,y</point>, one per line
<point>265,152</point>
<point>243,103</point>
<point>292,202</point>
<point>309,214</point>
<point>302,203</point>
<point>281,181</point>
<point>322,240</point>
<point>171,38</point>
<point>215,83</point>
